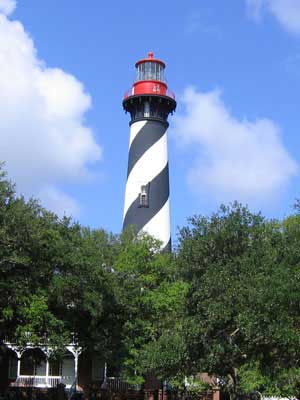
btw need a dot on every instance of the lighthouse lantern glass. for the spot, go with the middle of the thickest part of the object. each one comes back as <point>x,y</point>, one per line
<point>150,70</point>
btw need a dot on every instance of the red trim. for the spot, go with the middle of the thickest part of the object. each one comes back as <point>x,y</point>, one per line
<point>150,87</point>
<point>150,80</point>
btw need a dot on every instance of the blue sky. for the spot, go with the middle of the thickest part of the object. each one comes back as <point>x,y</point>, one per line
<point>234,66</point>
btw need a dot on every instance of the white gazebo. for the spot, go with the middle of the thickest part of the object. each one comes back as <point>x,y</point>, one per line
<point>23,372</point>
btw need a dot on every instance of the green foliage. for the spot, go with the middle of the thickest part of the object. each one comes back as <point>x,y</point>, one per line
<point>153,297</point>
<point>243,305</point>
<point>37,322</point>
<point>55,278</point>
<point>251,378</point>
<point>29,248</point>
<point>226,303</point>
<point>196,386</point>
<point>283,383</point>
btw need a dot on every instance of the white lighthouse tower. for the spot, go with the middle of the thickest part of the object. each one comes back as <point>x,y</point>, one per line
<point>149,102</point>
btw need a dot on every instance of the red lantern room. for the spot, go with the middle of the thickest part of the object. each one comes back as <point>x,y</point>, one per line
<point>149,97</point>
<point>150,78</point>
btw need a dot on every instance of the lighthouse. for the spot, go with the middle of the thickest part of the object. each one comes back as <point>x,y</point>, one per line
<point>147,194</point>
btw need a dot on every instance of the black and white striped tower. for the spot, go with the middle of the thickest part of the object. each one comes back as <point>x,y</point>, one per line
<point>149,102</point>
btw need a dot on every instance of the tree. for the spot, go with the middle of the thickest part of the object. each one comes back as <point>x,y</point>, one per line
<point>55,278</point>
<point>243,302</point>
<point>83,290</point>
<point>29,244</point>
<point>152,295</point>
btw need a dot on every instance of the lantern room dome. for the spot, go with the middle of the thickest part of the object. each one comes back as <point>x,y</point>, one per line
<point>150,58</point>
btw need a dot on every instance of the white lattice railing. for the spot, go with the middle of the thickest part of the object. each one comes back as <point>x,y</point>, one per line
<point>43,381</point>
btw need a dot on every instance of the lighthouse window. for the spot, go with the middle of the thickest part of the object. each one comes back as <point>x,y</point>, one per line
<point>144,196</point>
<point>153,72</point>
<point>157,66</point>
<point>142,71</point>
<point>147,109</point>
<point>160,72</point>
<point>148,70</point>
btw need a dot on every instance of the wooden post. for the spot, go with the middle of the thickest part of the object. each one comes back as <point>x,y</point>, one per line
<point>47,371</point>
<point>19,355</point>
<point>105,372</point>
<point>216,394</point>
<point>76,370</point>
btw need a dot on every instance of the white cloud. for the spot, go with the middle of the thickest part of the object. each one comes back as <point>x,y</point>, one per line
<point>234,159</point>
<point>59,202</point>
<point>7,7</point>
<point>255,8</point>
<point>43,137</point>
<point>287,12</point>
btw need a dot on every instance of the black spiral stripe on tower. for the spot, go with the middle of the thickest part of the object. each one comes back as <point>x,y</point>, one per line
<point>147,136</point>
<point>159,195</point>
<point>168,247</point>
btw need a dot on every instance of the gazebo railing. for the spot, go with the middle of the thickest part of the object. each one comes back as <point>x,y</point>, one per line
<point>42,381</point>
